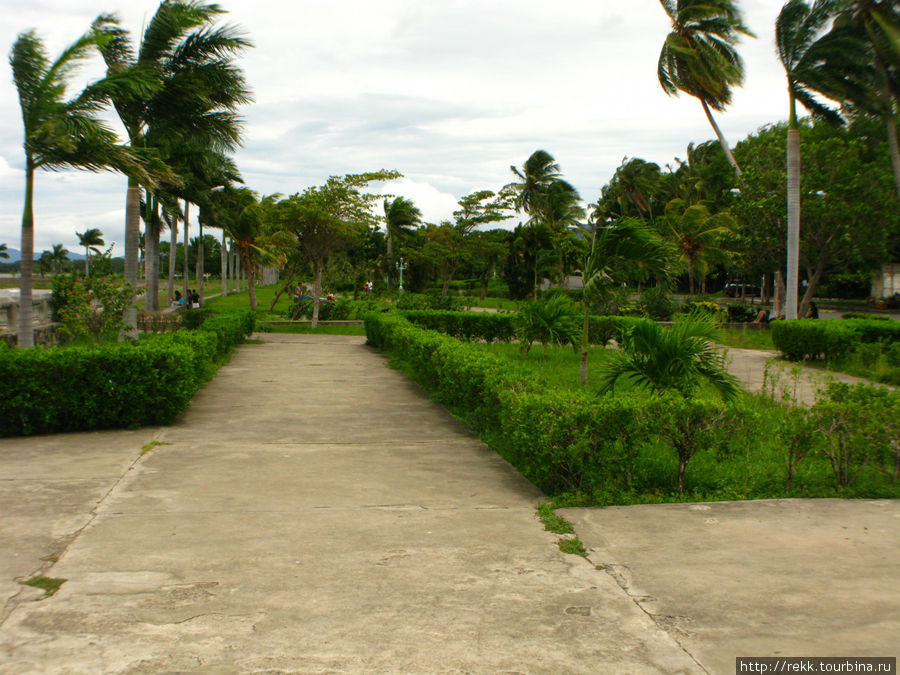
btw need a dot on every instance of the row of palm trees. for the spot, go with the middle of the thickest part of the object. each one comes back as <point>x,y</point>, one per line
<point>845,50</point>
<point>176,89</point>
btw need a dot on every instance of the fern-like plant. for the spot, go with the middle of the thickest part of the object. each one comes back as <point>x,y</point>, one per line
<point>678,359</point>
<point>555,321</point>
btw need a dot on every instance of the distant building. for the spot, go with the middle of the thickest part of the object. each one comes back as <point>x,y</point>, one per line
<point>886,281</point>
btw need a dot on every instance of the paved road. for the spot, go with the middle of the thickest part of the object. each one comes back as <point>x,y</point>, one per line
<point>312,512</point>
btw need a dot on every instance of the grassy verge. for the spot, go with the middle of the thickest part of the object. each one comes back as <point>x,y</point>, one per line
<point>306,329</point>
<point>746,338</point>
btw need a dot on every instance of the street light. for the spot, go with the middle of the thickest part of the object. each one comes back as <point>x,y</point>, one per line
<point>400,267</point>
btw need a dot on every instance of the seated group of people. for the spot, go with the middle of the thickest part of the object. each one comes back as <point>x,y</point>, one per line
<point>192,300</point>
<point>765,317</point>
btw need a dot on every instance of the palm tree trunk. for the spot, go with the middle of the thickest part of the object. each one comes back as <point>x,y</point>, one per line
<point>87,261</point>
<point>132,243</point>
<point>895,150</point>
<point>200,265</point>
<point>722,141</point>
<point>317,292</point>
<point>151,255</point>
<point>173,247</point>
<point>187,266</point>
<point>251,285</point>
<point>223,276</point>
<point>26,265</point>
<point>585,329</point>
<point>793,215</point>
<point>390,256</point>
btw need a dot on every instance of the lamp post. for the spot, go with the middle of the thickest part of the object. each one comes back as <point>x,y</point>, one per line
<point>400,267</point>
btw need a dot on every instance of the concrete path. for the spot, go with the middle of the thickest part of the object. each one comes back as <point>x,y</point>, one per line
<point>759,369</point>
<point>786,577</point>
<point>311,512</point>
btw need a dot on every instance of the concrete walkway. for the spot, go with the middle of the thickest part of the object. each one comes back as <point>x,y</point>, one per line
<point>311,512</point>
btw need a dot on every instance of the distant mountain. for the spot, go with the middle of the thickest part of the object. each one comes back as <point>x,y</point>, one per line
<point>15,255</point>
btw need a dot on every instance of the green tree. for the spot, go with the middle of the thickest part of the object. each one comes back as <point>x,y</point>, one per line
<point>698,236</point>
<point>699,57</point>
<point>814,61</point>
<point>4,254</point>
<point>90,239</point>
<point>198,91</point>
<point>613,249</point>
<point>400,216</point>
<point>59,256</point>
<point>552,321</point>
<point>325,219</point>
<point>61,133</point>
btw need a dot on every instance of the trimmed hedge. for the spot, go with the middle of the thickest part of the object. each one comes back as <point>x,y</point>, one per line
<point>492,327</point>
<point>562,442</point>
<point>817,338</point>
<point>123,385</point>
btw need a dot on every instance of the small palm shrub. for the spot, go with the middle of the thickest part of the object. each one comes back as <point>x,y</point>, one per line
<point>678,359</point>
<point>555,321</point>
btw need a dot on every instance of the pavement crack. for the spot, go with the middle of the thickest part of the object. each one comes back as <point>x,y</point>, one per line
<point>620,575</point>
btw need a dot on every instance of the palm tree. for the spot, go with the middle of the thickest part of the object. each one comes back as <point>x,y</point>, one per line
<point>90,239</point>
<point>699,58</point>
<point>400,216</point>
<point>59,256</point>
<point>696,233</point>
<point>199,90</point>
<point>878,26</point>
<point>678,359</point>
<point>240,212</point>
<point>538,173</point>
<point>613,248</point>
<point>4,255</point>
<point>814,61</point>
<point>61,133</point>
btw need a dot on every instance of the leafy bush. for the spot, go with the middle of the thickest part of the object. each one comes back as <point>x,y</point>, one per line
<point>614,449</point>
<point>812,338</point>
<point>120,385</point>
<point>656,304</point>
<point>194,318</point>
<point>741,313</point>
<point>554,321</point>
<point>866,316</point>
<point>486,326</point>
<point>429,301</point>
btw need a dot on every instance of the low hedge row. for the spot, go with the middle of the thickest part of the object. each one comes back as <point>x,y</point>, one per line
<point>122,385</point>
<point>491,327</point>
<point>562,442</point>
<point>816,338</point>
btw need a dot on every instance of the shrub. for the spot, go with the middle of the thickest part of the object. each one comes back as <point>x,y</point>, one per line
<point>812,338</point>
<point>656,304</point>
<point>741,313</point>
<point>555,321</point>
<point>118,385</point>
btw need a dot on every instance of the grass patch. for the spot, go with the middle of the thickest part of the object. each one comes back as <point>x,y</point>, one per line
<point>747,338</point>
<point>152,444</point>
<point>553,522</point>
<point>572,546</point>
<point>307,329</point>
<point>47,584</point>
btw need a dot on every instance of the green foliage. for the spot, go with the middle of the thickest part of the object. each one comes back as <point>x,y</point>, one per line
<point>122,385</point>
<point>656,303</point>
<point>572,546</point>
<point>194,318</point>
<point>554,321</point>
<point>429,301</point>
<point>623,448</point>
<point>485,326</point>
<point>741,313</point>
<point>89,309</point>
<point>553,522</point>
<point>813,339</point>
<point>678,359</point>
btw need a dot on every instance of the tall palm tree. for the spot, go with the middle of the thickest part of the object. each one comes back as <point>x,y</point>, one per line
<point>613,248</point>
<point>4,254</point>
<point>699,58</point>
<point>61,133</point>
<point>59,256</point>
<point>90,239</point>
<point>538,173</point>
<point>400,216</point>
<point>878,25</point>
<point>199,90</point>
<point>815,61</point>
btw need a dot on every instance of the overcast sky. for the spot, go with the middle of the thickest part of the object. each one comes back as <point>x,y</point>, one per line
<point>449,92</point>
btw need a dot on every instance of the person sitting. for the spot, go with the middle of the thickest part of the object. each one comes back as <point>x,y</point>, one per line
<point>813,312</point>
<point>178,301</point>
<point>762,317</point>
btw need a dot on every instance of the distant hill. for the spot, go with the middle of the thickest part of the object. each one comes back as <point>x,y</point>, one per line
<point>15,255</point>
